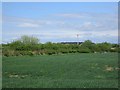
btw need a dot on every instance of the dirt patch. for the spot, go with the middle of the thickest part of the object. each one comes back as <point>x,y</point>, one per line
<point>109,68</point>
<point>17,76</point>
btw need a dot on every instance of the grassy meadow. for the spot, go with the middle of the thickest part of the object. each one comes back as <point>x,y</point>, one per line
<point>79,70</point>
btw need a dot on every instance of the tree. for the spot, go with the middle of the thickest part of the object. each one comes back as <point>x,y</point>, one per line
<point>29,39</point>
<point>89,44</point>
<point>105,46</point>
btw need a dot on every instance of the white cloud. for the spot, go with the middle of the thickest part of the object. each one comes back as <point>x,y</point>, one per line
<point>67,26</point>
<point>63,35</point>
<point>70,15</point>
<point>28,25</point>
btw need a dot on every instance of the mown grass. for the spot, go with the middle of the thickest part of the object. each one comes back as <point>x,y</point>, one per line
<point>93,70</point>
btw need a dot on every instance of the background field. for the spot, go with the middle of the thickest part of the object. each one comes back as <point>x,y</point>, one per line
<point>92,70</point>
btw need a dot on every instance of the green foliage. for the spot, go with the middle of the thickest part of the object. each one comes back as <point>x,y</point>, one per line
<point>87,43</point>
<point>29,40</point>
<point>28,45</point>
<point>105,46</point>
<point>84,50</point>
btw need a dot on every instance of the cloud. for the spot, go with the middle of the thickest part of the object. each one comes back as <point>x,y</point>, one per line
<point>89,21</point>
<point>29,25</point>
<point>65,27</point>
<point>30,22</point>
<point>87,15</point>
<point>62,35</point>
<point>71,15</point>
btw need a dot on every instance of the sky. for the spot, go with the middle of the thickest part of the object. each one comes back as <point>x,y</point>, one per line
<point>60,21</point>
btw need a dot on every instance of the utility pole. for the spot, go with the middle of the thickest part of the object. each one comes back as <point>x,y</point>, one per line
<point>78,39</point>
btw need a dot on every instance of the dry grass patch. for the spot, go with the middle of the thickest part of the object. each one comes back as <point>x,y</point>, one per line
<point>108,68</point>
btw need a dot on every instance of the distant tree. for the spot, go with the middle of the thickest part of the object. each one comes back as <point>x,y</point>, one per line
<point>89,44</point>
<point>29,45</point>
<point>105,46</point>
<point>25,43</point>
<point>29,39</point>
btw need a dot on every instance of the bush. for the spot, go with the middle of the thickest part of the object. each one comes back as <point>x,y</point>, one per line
<point>18,48</point>
<point>113,50</point>
<point>84,50</point>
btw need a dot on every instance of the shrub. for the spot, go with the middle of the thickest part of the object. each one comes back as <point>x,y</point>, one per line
<point>26,47</point>
<point>84,50</point>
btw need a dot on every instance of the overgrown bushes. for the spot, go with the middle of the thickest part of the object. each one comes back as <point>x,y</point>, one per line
<point>31,48</point>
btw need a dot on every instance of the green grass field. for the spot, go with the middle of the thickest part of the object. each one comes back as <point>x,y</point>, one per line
<point>81,70</point>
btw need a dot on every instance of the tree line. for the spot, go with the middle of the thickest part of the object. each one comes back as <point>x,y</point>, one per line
<point>28,45</point>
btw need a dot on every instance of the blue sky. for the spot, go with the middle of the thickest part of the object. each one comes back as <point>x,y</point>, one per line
<point>58,22</point>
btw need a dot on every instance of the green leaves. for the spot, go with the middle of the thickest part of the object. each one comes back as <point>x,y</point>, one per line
<point>28,45</point>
